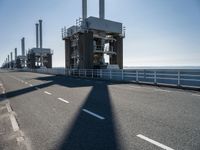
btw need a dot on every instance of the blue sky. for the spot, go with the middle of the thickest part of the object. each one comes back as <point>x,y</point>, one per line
<point>158,32</point>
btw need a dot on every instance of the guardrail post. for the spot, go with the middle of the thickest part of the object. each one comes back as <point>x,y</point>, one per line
<point>122,74</point>
<point>137,76</point>
<point>179,78</point>
<point>155,77</point>
<point>110,74</point>
<point>66,72</point>
<point>100,73</point>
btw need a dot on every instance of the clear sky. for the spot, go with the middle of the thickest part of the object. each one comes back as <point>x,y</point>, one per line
<point>158,32</point>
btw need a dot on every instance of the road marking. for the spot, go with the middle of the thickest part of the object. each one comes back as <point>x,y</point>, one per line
<point>63,100</point>
<point>154,142</point>
<point>160,90</point>
<point>8,107</point>
<point>132,86</point>
<point>12,118</point>
<point>47,93</point>
<point>3,90</point>
<point>93,114</point>
<point>30,84</point>
<point>20,139</point>
<point>196,94</point>
<point>14,122</point>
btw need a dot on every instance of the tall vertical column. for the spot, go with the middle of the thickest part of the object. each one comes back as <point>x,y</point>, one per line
<point>23,46</point>
<point>40,25</point>
<point>11,60</point>
<point>11,57</point>
<point>15,54</point>
<point>8,61</point>
<point>37,36</point>
<point>102,9</point>
<point>84,9</point>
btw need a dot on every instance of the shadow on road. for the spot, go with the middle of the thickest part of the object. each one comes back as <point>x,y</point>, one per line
<point>90,133</point>
<point>86,132</point>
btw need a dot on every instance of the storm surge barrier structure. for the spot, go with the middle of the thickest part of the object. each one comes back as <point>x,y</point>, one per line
<point>189,78</point>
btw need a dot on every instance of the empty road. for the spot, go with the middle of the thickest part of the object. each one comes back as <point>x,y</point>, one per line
<point>58,113</point>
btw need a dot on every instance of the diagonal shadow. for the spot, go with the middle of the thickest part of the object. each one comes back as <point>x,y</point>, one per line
<point>86,131</point>
<point>90,133</point>
<point>25,90</point>
<point>69,81</point>
<point>52,80</point>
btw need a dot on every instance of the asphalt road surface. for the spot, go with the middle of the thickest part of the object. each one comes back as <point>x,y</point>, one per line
<point>58,113</point>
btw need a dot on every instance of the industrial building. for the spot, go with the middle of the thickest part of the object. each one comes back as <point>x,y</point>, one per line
<point>39,57</point>
<point>35,58</point>
<point>93,39</point>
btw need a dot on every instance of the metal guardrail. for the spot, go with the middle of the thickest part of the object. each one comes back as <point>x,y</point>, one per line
<point>171,77</point>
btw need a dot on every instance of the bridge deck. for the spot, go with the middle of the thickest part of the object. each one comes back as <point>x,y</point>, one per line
<point>57,112</point>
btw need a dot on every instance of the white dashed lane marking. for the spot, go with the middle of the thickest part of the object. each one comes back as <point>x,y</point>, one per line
<point>63,100</point>
<point>47,93</point>
<point>93,114</point>
<point>154,142</point>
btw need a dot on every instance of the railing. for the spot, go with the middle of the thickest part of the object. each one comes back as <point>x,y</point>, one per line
<point>170,77</point>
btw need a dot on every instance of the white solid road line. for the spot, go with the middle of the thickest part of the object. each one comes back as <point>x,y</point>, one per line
<point>154,142</point>
<point>196,94</point>
<point>93,114</point>
<point>12,118</point>
<point>8,107</point>
<point>63,100</point>
<point>134,86</point>
<point>161,90</point>
<point>14,122</point>
<point>47,93</point>
<point>30,85</point>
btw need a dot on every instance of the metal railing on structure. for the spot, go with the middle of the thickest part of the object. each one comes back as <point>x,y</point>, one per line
<point>170,77</point>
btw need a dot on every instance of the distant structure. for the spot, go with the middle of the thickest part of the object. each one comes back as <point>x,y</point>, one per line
<point>39,57</point>
<point>92,39</point>
<point>20,61</point>
<point>35,58</point>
